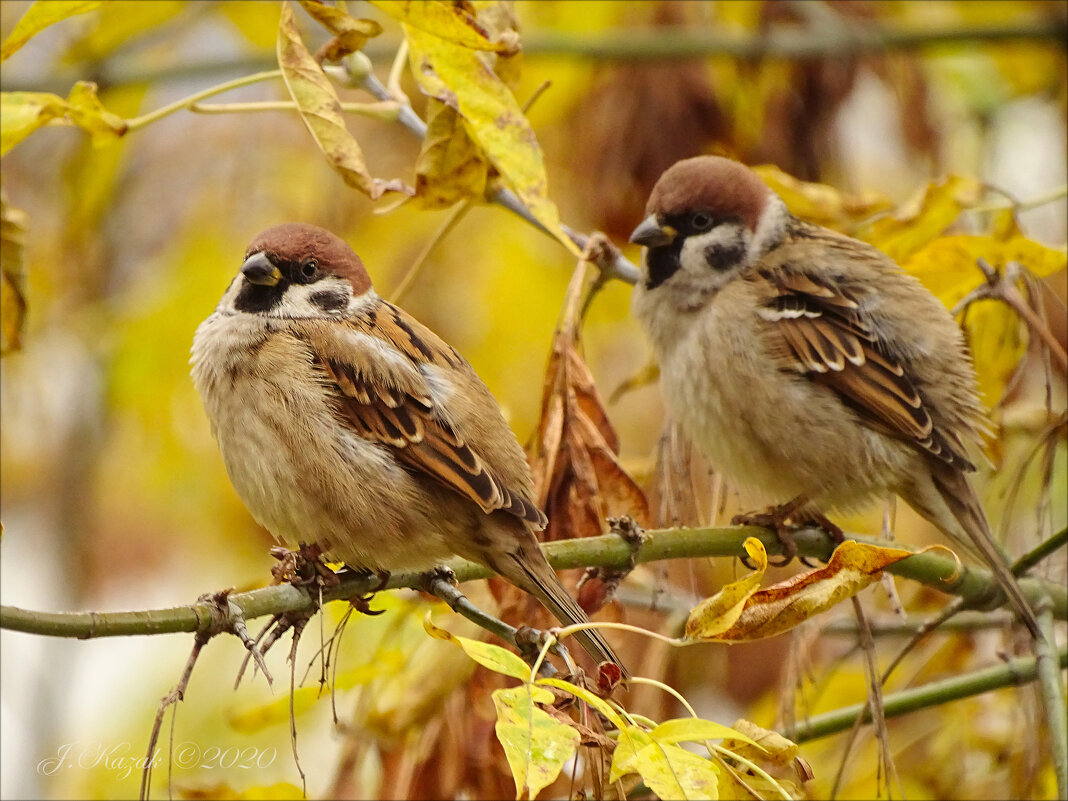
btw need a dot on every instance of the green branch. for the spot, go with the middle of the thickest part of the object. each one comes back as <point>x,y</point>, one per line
<point>931,568</point>
<point>1015,673</point>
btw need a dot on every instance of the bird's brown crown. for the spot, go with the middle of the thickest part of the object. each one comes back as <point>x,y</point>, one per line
<point>297,242</point>
<point>719,186</point>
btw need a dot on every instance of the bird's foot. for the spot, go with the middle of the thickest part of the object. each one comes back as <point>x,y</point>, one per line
<point>784,520</point>
<point>303,567</point>
<point>598,584</point>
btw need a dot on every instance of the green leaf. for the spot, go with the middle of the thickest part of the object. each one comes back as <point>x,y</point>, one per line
<point>460,78</point>
<point>497,659</point>
<point>536,744</point>
<point>320,109</point>
<point>38,17</point>
<point>696,730</point>
<point>673,772</point>
<point>454,22</point>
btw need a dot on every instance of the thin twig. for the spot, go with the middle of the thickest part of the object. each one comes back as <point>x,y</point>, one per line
<point>1014,673</point>
<point>186,102</point>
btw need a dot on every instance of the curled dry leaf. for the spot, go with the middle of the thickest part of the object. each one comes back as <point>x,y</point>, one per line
<point>575,456</point>
<point>320,109</point>
<point>12,275</point>
<point>350,34</point>
<point>740,612</point>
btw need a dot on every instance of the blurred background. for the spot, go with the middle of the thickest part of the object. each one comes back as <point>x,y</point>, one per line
<point>113,491</point>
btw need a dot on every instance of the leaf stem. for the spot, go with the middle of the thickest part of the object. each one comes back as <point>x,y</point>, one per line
<point>186,102</point>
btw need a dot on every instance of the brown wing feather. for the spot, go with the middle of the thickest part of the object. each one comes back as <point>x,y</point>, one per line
<point>820,332</point>
<point>422,440</point>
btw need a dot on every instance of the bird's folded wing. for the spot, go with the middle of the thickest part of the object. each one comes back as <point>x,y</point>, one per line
<point>383,396</point>
<point>817,329</point>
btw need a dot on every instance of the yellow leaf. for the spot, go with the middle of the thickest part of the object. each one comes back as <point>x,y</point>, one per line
<point>458,77</point>
<point>778,608</point>
<point>632,741</point>
<point>454,22</point>
<point>820,203</point>
<point>257,22</point>
<point>12,275</point>
<point>486,654</point>
<point>320,109</point>
<point>696,730</point>
<point>947,267</point>
<point>38,17</point>
<point>450,166</point>
<point>720,612</point>
<point>536,744</point>
<point>674,772</point>
<point>759,743</point>
<point>118,22</point>
<point>922,218</point>
<point>87,112</point>
<point>595,701</point>
<point>22,113</point>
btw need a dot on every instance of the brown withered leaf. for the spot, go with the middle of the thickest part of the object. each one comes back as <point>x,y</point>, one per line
<point>575,455</point>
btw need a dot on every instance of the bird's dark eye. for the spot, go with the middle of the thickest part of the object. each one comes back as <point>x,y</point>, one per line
<point>701,221</point>
<point>309,269</point>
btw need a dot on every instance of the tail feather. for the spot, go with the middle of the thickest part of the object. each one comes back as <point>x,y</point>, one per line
<point>960,498</point>
<point>529,570</point>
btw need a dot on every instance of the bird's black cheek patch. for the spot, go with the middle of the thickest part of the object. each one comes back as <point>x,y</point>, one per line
<point>725,255</point>
<point>255,298</point>
<point>662,263</point>
<point>330,299</point>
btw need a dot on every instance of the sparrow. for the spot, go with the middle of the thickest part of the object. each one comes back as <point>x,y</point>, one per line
<point>346,423</point>
<point>806,365</point>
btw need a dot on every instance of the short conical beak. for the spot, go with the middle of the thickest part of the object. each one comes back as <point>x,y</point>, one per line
<point>652,234</point>
<point>258,269</point>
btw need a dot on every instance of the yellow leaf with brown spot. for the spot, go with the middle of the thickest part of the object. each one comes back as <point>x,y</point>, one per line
<point>455,22</point>
<point>536,744</point>
<point>464,79</point>
<point>820,203</point>
<point>320,109</point>
<point>922,218</point>
<point>720,613</point>
<point>781,607</point>
<point>450,166</point>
